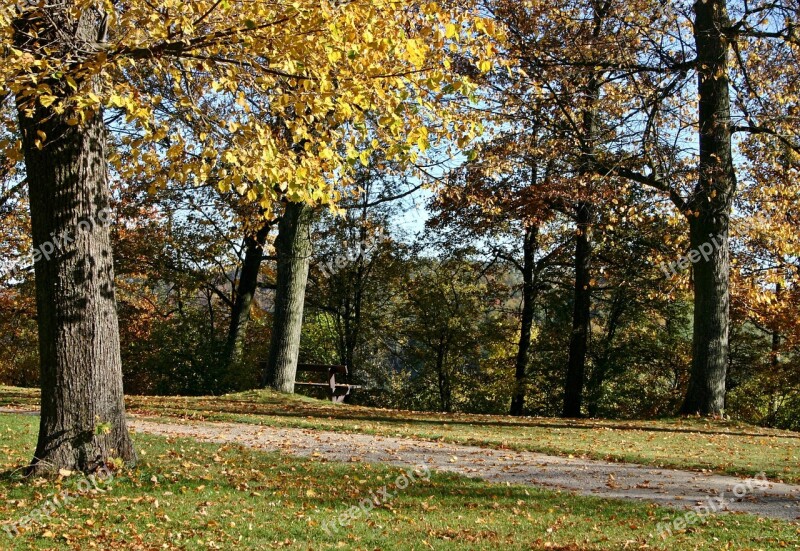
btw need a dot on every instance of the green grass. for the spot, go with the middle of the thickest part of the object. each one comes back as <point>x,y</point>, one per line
<point>691,443</point>
<point>190,495</point>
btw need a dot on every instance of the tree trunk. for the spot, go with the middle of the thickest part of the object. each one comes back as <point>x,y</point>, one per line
<point>82,422</point>
<point>576,366</point>
<point>245,292</point>
<point>293,247</point>
<point>528,298</point>
<point>712,198</point>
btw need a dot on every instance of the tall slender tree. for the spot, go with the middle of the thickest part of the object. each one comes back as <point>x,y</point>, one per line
<point>294,248</point>
<point>245,289</point>
<point>711,205</point>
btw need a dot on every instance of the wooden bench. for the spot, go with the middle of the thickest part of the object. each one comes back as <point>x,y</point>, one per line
<point>338,391</point>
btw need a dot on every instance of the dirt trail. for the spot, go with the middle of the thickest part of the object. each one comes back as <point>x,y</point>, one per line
<point>669,487</point>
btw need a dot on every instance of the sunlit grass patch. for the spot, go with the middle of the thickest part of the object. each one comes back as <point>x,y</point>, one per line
<point>190,495</point>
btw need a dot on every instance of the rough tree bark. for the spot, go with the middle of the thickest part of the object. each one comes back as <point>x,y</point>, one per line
<point>528,297</point>
<point>293,247</point>
<point>82,422</point>
<point>576,366</point>
<point>712,199</point>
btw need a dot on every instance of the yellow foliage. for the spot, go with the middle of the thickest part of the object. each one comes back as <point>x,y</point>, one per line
<point>276,95</point>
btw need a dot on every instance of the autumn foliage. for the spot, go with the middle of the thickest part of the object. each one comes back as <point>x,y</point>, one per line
<point>562,151</point>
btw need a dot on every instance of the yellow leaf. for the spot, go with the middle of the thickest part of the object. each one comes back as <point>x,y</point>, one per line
<point>47,100</point>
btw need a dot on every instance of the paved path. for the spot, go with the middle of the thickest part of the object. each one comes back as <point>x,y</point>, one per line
<point>669,487</point>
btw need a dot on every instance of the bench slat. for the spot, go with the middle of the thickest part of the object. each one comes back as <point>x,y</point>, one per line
<point>338,392</point>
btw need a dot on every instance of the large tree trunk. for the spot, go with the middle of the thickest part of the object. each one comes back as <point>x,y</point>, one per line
<point>576,366</point>
<point>245,292</point>
<point>528,298</point>
<point>293,248</point>
<point>82,422</point>
<point>712,198</point>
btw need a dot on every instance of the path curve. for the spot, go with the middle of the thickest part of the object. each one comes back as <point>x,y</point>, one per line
<point>667,487</point>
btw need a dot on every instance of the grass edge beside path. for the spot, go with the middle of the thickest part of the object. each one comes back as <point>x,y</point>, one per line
<point>723,447</point>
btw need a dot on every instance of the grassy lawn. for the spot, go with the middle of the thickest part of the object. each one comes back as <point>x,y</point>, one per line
<point>720,446</point>
<point>189,495</point>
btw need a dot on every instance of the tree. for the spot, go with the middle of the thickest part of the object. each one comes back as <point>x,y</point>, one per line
<point>553,110</point>
<point>451,326</point>
<point>504,192</point>
<point>646,62</point>
<point>760,37</point>
<point>82,424</point>
<point>353,257</point>
<point>244,294</point>
<point>711,203</point>
<point>581,315</point>
<point>70,60</point>
<point>294,251</point>
<point>529,290</point>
